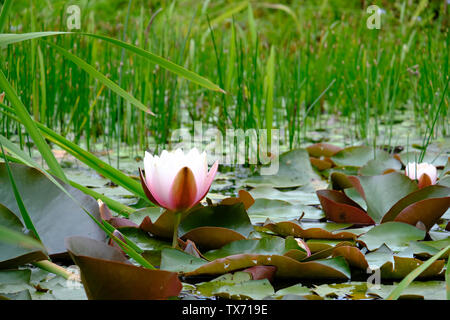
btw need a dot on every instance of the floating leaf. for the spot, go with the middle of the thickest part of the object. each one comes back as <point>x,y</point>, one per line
<point>17,253</point>
<point>382,192</point>
<point>357,156</point>
<point>314,231</point>
<point>107,274</point>
<point>244,197</point>
<point>335,268</point>
<point>237,286</point>
<point>318,150</point>
<point>396,235</point>
<point>296,196</point>
<point>426,205</point>
<point>294,170</point>
<point>279,210</point>
<point>341,209</point>
<point>264,246</point>
<point>380,166</point>
<point>54,214</point>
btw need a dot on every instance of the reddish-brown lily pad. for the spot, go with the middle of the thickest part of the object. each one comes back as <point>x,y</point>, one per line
<point>321,164</point>
<point>318,150</point>
<point>262,272</point>
<point>353,255</point>
<point>107,275</point>
<point>212,237</point>
<point>426,205</point>
<point>116,222</point>
<point>341,209</point>
<point>244,197</point>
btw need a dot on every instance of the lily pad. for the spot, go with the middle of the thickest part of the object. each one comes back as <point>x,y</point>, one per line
<point>54,215</point>
<point>357,156</point>
<point>294,170</point>
<point>428,290</point>
<point>264,246</point>
<point>15,255</point>
<point>322,150</point>
<point>107,274</point>
<point>311,231</point>
<point>237,286</point>
<point>382,192</point>
<point>296,196</point>
<point>279,210</point>
<point>341,209</point>
<point>426,205</point>
<point>396,235</point>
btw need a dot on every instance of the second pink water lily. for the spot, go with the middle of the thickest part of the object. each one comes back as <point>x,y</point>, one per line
<point>177,181</point>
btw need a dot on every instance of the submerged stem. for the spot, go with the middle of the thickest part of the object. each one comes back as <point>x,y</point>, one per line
<point>175,229</point>
<point>58,270</point>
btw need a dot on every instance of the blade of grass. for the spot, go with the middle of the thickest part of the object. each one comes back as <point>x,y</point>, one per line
<point>23,211</point>
<point>10,38</point>
<point>27,160</point>
<point>4,13</point>
<point>87,158</point>
<point>31,128</point>
<point>100,77</point>
<point>395,294</point>
<point>130,247</point>
<point>18,238</point>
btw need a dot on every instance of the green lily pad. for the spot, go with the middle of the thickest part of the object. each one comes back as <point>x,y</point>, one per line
<point>264,246</point>
<point>53,213</point>
<point>178,261</point>
<point>428,290</point>
<point>340,290</point>
<point>297,289</point>
<point>383,191</point>
<point>294,170</point>
<point>357,156</point>
<point>237,286</point>
<point>296,196</point>
<point>15,255</point>
<point>396,235</point>
<point>279,210</point>
<point>380,166</point>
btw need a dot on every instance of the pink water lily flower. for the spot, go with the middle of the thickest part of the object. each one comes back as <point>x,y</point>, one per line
<point>177,181</point>
<point>424,172</point>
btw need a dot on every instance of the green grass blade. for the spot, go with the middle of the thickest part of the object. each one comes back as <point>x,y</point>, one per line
<point>4,13</point>
<point>100,77</point>
<point>395,294</point>
<point>116,176</point>
<point>23,211</point>
<point>27,160</point>
<point>31,128</point>
<point>447,279</point>
<point>17,238</point>
<point>6,39</point>
<point>170,66</point>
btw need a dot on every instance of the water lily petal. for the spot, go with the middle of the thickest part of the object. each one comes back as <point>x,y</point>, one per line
<point>183,192</point>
